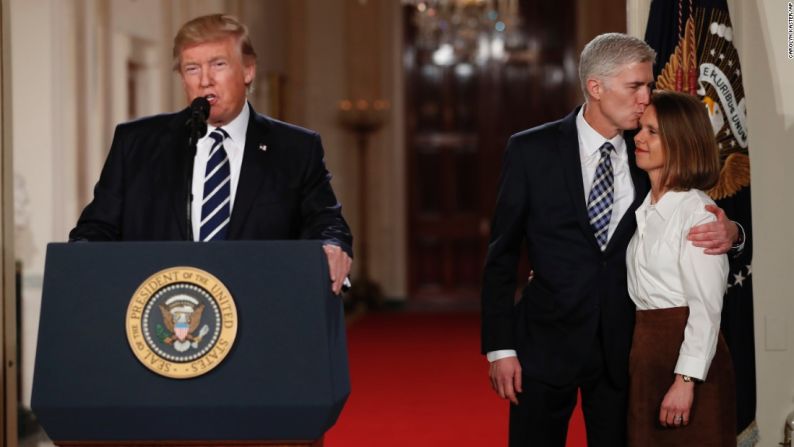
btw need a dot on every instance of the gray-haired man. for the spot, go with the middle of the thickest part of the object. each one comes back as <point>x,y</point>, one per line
<point>568,190</point>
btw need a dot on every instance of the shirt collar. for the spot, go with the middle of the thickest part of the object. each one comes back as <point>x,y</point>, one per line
<point>667,204</point>
<point>237,127</point>
<point>590,140</point>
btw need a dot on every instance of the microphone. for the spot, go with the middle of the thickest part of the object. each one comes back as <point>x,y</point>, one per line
<point>199,112</point>
<point>197,127</point>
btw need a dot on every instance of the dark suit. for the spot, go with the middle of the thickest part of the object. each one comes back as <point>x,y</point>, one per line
<point>577,301</point>
<point>284,192</point>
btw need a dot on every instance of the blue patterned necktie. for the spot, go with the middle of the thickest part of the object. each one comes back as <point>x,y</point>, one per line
<point>599,203</point>
<point>215,209</point>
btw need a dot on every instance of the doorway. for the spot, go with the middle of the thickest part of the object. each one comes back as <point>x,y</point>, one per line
<point>473,76</point>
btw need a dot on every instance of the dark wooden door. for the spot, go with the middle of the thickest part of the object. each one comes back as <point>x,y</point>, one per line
<point>459,115</point>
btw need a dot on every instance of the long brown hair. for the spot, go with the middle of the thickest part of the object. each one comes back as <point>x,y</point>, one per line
<point>692,159</point>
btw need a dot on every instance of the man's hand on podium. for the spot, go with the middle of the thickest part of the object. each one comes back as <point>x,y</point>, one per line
<point>338,266</point>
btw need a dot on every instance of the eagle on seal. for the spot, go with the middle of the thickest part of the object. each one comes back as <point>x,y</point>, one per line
<point>181,322</point>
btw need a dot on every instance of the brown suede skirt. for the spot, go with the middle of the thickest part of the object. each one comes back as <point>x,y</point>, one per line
<point>658,335</point>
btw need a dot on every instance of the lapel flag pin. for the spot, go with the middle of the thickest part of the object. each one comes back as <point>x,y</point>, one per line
<point>263,147</point>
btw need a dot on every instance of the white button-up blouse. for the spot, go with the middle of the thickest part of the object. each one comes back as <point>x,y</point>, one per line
<point>665,270</point>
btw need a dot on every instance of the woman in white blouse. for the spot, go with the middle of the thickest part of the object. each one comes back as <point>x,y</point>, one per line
<point>681,378</point>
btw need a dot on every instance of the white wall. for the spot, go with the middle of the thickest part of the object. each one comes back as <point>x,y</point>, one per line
<point>319,81</point>
<point>391,225</point>
<point>35,148</point>
<point>760,37</point>
<point>324,75</point>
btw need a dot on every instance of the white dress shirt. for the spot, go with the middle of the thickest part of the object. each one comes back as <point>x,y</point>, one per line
<point>234,146</point>
<point>665,270</point>
<point>589,155</point>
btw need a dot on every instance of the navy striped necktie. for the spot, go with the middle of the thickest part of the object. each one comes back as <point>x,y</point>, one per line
<point>599,203</point>
<point>215,206</point>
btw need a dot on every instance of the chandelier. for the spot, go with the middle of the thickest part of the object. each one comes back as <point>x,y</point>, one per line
<point>466,31</point>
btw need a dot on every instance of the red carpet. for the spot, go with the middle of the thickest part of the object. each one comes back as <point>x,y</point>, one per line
<point>418,379</point>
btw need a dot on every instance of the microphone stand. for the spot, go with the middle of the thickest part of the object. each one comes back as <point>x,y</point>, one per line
<point>196,128</point>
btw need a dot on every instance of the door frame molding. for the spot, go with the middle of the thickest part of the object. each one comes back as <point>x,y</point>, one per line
<point>8,410</point>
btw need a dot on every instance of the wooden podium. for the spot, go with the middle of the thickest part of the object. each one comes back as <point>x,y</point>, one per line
<point>283,381</point>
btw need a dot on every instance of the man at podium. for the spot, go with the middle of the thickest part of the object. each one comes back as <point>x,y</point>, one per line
<point>251,178</point>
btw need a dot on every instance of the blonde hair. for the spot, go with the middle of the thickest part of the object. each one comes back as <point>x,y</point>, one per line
<point>211,28</point>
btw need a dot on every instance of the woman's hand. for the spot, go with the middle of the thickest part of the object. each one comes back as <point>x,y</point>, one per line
<point>676,404</point>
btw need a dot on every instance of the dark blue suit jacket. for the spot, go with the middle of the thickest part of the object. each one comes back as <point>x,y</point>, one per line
<point>576,288</point>
<point>284,192</point>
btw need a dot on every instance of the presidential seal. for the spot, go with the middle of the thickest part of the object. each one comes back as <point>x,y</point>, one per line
<point>181,322</point>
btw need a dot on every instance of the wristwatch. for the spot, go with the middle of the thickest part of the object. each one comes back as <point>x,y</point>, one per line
<point>688,379</point>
